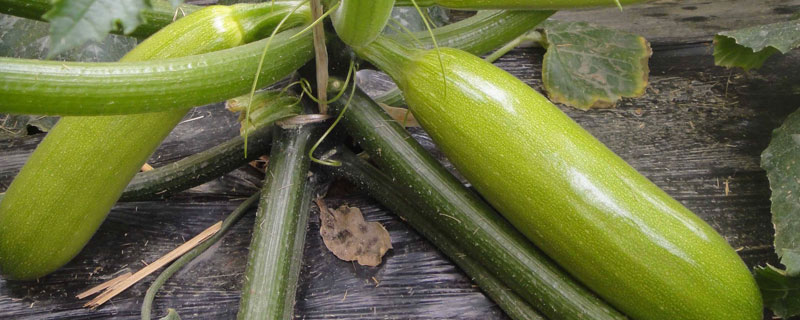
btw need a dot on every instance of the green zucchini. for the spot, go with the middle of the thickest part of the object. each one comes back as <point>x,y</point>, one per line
<point>52,208</point>
<point>518,4</point>
<point>464,218</point>
<point>591,212</point>
<point>385,189</point>
<point>276,249</point>
<point>358,22</point>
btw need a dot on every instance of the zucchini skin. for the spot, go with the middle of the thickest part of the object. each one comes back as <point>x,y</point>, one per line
<point>461,216</point>
<point>359,22</point>
<point>77,173</point>
<point>594,214</point>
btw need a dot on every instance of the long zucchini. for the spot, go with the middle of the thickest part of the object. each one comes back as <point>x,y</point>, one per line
<point>602,221</point>
<point>466,219</point>
<point>68,185</point>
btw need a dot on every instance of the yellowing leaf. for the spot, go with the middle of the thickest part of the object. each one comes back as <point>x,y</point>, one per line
<point>350,238</point>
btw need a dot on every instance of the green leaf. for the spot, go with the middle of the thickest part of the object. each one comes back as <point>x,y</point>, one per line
<point>28,39</point>
<point>780,160</point>
<point>748,48</point>
<point>73,22</point>
<point>592,66</point>
<point>780,293</point>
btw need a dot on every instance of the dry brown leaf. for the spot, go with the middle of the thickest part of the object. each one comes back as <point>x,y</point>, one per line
<point>350,238</point>
<point>401,115</point>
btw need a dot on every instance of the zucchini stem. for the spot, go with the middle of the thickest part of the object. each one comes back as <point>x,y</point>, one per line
<point>276,250</point>
<point>383,188</point>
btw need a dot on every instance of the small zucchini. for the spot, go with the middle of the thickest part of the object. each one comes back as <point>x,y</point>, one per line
<point>591,212</point>
<point>358,22</point>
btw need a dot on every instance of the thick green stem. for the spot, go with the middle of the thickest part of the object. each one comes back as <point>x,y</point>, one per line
<point>147,304</point>
<point>383,188</point>
<point>75,88</point>
<point>466,219</point>
<point>478,35</point>
<point>276,249</point>
<point>198,168</point>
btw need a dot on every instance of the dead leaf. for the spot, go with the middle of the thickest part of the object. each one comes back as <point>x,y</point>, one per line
<point>401,115</point>
<point>350,238</point>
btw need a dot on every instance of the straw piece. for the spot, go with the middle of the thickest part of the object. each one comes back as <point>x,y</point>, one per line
<point>103,285</point>
<point>125,283</point>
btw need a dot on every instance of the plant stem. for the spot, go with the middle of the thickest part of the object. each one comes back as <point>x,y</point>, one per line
<point>383,188</point>
<point>79,88</point>
<point>276,249</point>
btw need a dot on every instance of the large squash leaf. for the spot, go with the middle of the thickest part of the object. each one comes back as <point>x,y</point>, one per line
<point>74,22</point>
<point>748,48</point>
<point>781,160</point>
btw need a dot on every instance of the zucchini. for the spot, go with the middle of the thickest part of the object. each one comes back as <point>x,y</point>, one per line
<point>276,249</point>
<point>358,22</point>
<point>385,190</point>
<point>73,178</point>
<point>464,218</point>
<point>591,212</point>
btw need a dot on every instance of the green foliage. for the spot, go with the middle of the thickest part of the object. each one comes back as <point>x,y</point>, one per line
<point>590,66</point>
<point>748,48</point>
<point>74,22</point>
<point>780,160</point>
<point>780,292</point>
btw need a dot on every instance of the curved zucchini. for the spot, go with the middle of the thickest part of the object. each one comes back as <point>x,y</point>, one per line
<point>358,22</point>
<point>68,185</point>
<point>602,221</point>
